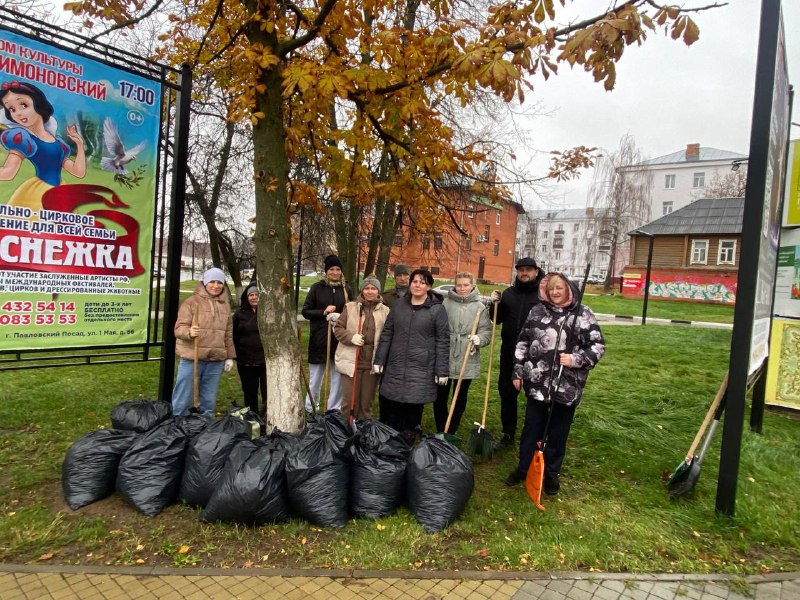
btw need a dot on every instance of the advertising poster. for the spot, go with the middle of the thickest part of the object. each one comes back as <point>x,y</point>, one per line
<point>791,201</point>
<point>78,152</point>
<point>787,278</point>
<point>783,371</point>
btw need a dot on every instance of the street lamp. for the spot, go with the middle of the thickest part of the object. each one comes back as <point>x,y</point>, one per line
<point>647,276</point>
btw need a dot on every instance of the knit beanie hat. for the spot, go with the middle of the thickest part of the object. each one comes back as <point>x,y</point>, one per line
<point>213,274</point>
<point>251,289</point>
<point>332,261</point>
<point>400,270</point>
<point>370,280</point>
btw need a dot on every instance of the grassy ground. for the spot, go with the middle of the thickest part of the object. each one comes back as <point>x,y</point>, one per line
<point>642,407</point>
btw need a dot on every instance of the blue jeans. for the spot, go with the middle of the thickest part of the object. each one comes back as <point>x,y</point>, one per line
<point>208,374</point>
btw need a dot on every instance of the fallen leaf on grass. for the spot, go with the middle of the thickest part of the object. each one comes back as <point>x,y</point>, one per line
<point>46,556</point>
<point>380,527</point>
<point>11,514</point>
<point>482,553</point>
<point>139,547</point>
<point>183,550</point>
<point>139,561</point>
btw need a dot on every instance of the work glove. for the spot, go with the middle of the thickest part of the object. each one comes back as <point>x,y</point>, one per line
<point>475,339</point>
<point>332,317</point>
<point>441,380</point>
<point>495,296</point>
<point>377,369</point>
<point>228,365</point>
<point>357,340</point>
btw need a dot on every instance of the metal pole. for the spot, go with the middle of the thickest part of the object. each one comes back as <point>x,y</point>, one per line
<point>647,277</point>
<point>175,243</point>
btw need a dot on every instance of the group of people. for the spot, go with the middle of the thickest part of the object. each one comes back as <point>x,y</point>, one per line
<point>410,345</point>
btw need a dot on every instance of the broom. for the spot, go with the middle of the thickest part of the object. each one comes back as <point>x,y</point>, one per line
<point>480,442</point>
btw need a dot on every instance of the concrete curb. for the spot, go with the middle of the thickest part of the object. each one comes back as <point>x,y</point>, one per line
<point>656,321</point>
<point>375,574</point>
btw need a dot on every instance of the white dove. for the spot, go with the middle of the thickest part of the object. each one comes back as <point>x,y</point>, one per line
<point>119,155</point>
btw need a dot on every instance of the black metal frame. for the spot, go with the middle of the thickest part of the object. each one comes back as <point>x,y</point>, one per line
<point>760,137</point>
<point>172,153</point>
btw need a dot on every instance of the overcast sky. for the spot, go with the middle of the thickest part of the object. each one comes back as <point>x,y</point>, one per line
<point>667,94</point>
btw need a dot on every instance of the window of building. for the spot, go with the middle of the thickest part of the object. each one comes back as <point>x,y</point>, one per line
<point>469,241</point>
<point>544,247</point>
<point>604,248</point>
<point>666,207</point>
<point>426,242</point>
<point>471,211</point>
<point>558,243</point>
<point>699,180</point>
<point>398,239</point>
<point>699,252</point>
<point>486,233</point>
<point>434,270</point>
<point>497,218</point>
<point>669,182</point>
<point>544,234</point>
<point>577,227</point>
<point>727,252</point>
<point>496,250</point>
<point>558,256</point>
<point>437,241</point>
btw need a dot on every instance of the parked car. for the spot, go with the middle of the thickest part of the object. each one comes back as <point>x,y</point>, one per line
<point>443,289</point>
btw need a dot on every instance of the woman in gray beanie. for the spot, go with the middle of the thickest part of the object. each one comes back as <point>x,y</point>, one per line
<point>358,329</point>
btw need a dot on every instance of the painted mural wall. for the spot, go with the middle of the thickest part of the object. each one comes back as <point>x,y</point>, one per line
<point>677,284</point>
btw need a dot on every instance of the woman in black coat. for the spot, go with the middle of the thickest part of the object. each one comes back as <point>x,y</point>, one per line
<point>413,354</point>
<point>249,352</point>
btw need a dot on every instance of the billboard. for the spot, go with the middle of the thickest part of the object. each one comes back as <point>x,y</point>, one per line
<point>78,171</point>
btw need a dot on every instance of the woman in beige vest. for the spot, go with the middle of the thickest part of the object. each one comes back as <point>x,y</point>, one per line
<point>358,329</point>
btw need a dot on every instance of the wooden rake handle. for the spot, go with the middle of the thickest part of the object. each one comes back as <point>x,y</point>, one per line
<point>461,373</point>
<point>489,370</point>
<point>709,415</point>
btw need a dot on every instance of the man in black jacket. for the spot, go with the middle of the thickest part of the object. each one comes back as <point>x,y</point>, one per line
<point>513,306</point>
<point>325,300</point>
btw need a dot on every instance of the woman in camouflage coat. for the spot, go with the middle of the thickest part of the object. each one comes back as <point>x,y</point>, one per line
<point>546,345</point>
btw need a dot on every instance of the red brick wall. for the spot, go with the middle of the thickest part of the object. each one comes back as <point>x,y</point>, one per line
<point>717,286</point>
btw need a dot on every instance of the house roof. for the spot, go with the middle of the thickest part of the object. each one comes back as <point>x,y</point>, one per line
<point>704,216</point>
<point>564,214</point>
<point>706,154</point>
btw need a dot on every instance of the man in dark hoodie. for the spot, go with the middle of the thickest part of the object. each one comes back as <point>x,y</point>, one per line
<point>324,302</point>
<point>513,306</point>
<point>250,360</point>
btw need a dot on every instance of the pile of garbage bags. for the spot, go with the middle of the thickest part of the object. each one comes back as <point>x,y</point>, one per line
<point>236,474</point>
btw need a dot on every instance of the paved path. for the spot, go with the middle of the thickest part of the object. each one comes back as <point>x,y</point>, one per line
<point>59,582</point>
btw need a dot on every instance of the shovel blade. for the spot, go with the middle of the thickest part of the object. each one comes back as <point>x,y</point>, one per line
<point>687,484</point>
<point>535,479</point>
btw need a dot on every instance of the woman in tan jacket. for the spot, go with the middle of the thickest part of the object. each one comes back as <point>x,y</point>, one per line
<point>358,328</point>
<point>214,335</point>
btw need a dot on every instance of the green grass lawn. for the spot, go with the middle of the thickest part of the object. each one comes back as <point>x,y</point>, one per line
<point>641,409</point>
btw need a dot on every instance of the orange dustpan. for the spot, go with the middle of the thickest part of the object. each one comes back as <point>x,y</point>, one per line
<point>535,478</point>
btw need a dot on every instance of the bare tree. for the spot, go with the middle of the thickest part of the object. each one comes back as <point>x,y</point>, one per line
<point>620,197</point>
<point>730,185</point>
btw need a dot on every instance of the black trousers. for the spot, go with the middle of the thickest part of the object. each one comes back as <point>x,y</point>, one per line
<point>508,393</point>
<point>556,448</point>
<point>254,378</point>
<point>441,406</point>
<point>400,416</point>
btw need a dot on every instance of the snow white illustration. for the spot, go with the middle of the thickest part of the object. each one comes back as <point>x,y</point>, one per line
<point>31,134</point>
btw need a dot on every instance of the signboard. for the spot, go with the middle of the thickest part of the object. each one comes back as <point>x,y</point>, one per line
<point>791,201</point>
<point>783,374</point>
<point>78,168</point>
<point>771,217</point>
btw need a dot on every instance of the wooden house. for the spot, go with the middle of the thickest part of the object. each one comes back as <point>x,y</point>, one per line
<point>696,253</point>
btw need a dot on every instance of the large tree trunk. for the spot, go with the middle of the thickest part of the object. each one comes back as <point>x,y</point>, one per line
<point>277,320</point>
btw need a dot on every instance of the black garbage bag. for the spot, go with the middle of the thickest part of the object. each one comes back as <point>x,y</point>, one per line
<point>335,426</point>
<point>378,456</point>
<point>140,415</point>
<point>252,490</point>
<point>288,442</point>
<point>318,471</point>
<point>149,475</point>
<point>205,460</point>
<point>89,470</point>
<point>255,424</point>
<point>192,424</point>
<point>440,482</point>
